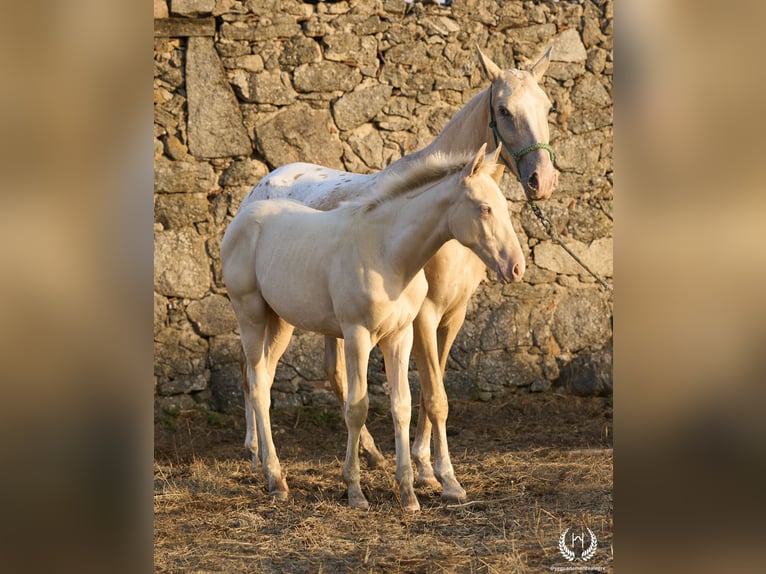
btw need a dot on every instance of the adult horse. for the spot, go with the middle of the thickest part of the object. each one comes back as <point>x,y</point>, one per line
<point>512,110</point>
<point>356,272</point>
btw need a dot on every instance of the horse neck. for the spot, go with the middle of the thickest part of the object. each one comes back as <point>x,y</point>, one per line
<point>416,227</point>
<point>467,131</point>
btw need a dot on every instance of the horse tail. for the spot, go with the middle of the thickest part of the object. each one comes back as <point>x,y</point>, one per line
<point>243,368</point>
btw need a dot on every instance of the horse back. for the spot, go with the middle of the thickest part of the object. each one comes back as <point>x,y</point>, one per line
<point>314,185</point>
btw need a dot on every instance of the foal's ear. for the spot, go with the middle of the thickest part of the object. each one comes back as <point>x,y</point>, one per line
<point>541,66</point>
<point>491,70</point>
<point>474,166</point>
<point>499,168</point>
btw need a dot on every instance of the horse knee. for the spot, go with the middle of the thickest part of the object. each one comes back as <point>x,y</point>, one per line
<point>437,408</point>
<point>402,413</point>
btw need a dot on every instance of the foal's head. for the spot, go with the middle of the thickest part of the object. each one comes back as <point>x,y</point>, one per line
<point>519,111</point>
<point>480,220</point>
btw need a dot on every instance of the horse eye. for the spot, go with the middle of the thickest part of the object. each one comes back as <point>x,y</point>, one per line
<point>486,210</point>
<point>554,107</point>
<point>503,111</point>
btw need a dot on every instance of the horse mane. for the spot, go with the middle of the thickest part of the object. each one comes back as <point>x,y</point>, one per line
<point>410,173</point>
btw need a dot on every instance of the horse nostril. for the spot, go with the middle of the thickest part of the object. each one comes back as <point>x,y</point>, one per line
<point>516,272</point>
<point>533,182</point>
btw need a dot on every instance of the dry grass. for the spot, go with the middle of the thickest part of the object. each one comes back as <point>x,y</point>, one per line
<point>532,467</point>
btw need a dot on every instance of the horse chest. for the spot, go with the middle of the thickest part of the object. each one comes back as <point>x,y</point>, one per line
<point>388,311</point>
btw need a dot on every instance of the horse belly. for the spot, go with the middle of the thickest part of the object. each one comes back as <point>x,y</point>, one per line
<point>292,278</point>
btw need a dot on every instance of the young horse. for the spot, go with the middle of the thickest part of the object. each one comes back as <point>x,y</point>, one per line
<point>356,273</point>
<point>514,111</point>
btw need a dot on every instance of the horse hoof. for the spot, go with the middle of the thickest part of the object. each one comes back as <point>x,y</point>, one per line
<point>359,503</point>
<point>278,495</point>
<point>428,482</point>
<point>278,489</point>
<point>375,461</point>
<point>454,497</point>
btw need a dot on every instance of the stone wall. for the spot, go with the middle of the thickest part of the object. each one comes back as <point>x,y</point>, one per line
<point>242,87</point>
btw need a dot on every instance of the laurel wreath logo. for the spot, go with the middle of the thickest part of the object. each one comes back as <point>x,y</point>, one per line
<point>590,550</point>
<point>569,554</point>
<point>565,551</point>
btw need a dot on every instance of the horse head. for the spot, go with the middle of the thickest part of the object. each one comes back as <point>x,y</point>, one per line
<point>518,119</point>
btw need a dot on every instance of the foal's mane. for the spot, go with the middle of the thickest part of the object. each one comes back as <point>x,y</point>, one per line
<point>410,173</point>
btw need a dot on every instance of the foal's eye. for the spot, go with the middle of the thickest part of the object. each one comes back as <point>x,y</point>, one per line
<point>554,107</point>
<point>503,111</point>
<point>486,210</point>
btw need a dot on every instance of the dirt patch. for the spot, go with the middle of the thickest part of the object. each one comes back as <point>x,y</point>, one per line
<point>533,465</point>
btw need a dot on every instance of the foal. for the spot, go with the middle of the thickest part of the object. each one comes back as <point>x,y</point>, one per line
<point>356,273</point>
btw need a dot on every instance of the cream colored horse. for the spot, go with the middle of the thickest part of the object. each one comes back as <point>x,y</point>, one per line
<point>356,272</point>
<point>514,110</point>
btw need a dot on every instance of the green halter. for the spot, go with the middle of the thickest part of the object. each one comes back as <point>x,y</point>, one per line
<point>515,155</point>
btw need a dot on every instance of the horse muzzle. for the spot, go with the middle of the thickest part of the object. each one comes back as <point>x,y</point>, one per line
<point>510,271</point>
<point>542,182</point>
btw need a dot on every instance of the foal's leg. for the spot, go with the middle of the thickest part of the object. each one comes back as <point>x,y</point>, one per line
<point>432,344</point>
<point>396,353</point>
<point>335,366</point>
<point>358,345</point>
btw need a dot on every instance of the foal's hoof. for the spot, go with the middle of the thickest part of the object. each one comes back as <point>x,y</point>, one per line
<point>410,503</point>
<point>356,498</point>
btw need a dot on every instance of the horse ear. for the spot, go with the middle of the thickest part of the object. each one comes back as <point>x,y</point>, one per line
<point>541,66</point>
<point>491,70</point>
<point>474,166</point>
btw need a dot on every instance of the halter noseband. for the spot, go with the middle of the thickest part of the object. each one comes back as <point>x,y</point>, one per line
<point>515,155</point>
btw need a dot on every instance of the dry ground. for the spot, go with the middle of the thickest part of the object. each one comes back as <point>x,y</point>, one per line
<point>532,465</point>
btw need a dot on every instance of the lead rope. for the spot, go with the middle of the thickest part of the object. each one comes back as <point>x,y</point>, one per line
<point>547,224</point>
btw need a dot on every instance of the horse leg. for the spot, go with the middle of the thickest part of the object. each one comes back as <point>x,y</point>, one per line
<point>335,366</point>
<point>358,345</point>
<point>432,345</point>
<point>446,334</point>
<point>251,436</point>
<point>396,354</point>
<point>426,359</point>
<point>255,324</point>
<point>280,337</point>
